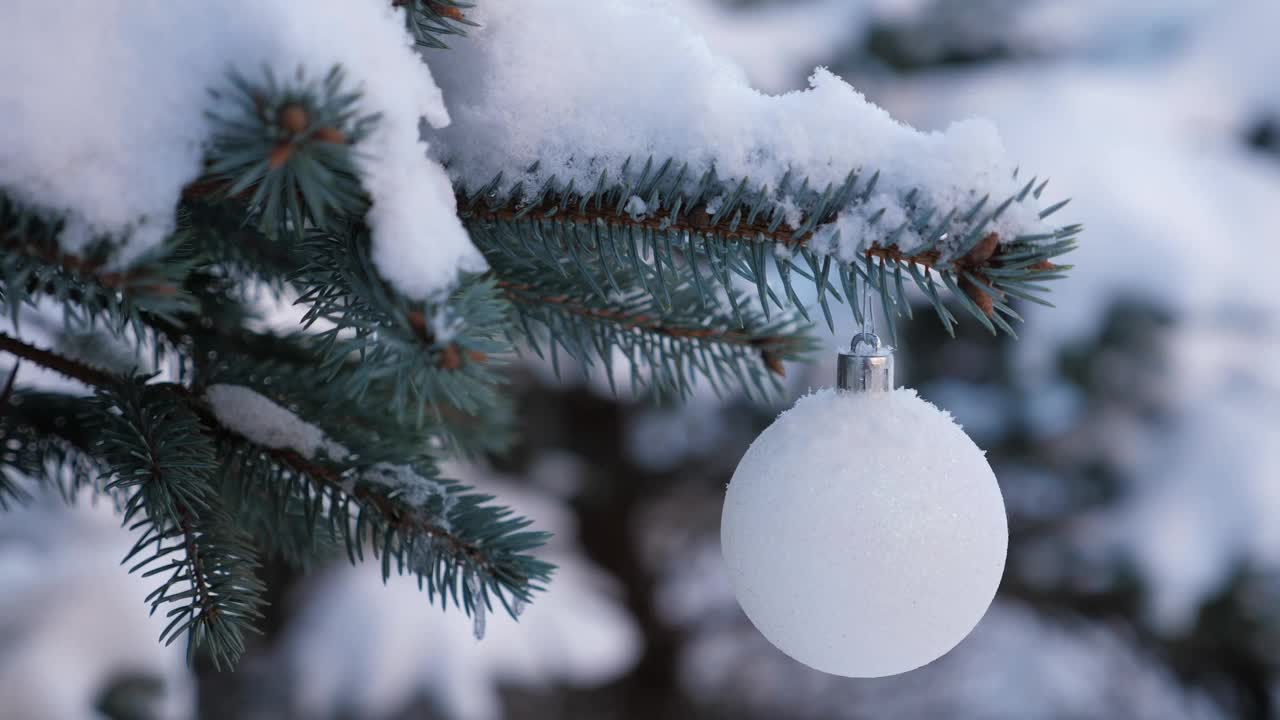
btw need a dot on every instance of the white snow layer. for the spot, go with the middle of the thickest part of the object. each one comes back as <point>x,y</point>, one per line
<point>630,79</point>
<point>266,423</point>
<point>103,110</point>
<point>108,135</point>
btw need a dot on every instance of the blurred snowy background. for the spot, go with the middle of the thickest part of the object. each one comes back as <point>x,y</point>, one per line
<point>1135,430</point>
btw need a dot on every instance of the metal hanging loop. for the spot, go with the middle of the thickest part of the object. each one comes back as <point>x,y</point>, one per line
<point>867,366</point>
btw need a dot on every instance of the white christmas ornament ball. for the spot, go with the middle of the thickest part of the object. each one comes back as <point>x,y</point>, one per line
<point>864,532</point>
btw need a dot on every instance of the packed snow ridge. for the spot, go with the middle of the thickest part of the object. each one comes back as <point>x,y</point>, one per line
<point>263,421</point>
<point>104,109</point>
<point>581,87</point>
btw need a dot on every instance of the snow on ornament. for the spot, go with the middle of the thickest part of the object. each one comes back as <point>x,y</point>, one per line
<point>863,532</point>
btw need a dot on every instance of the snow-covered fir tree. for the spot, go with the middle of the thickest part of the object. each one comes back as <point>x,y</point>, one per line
<point>431,210</point>
<point>267,282</point>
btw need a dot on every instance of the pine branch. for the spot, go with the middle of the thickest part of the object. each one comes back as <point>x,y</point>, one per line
<point>271,163</point>
<point>533,296</point>
<point>665,226</point>
<point>451,540</point>
<point>698,220</point>
<point>40,444</point>
<point>32,264</point>
<point>395,515</point>
<point>217,564</point>
<point>152,447</point>
<point>284,149</point>
<point>429,20</point>
<point>216,231</point>
<point>456,542</point>
<point>429,355</point>
<point>668,346</point>
<point>290,371</point>
<point>281,154</point>
<point>648,263</point>
<point>64,366</point>
<point>141,279</point>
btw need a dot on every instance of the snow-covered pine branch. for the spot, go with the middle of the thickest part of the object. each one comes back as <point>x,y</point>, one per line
<point>179,458</point>
<point>703,165</point>
<point>583,177</point>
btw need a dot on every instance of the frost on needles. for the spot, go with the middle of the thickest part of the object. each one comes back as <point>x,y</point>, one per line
<point>436,187</point>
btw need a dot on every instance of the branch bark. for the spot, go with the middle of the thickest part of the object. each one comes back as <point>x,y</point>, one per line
<point>528,295</point>
<point>65,366</point>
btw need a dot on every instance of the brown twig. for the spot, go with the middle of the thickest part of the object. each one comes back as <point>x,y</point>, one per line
<point>208,607</point>
<point>527,294</point>
<point>129,279</point>
<point>73,369</point>
<point>696,220</point>
<point>397,516</point>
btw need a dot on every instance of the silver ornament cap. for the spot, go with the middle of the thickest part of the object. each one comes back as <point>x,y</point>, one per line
<point>867,367</point>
